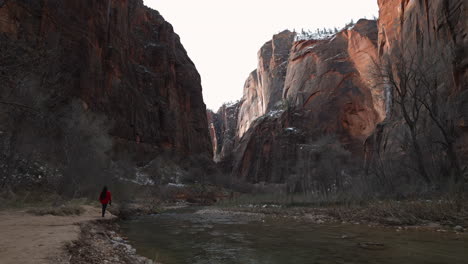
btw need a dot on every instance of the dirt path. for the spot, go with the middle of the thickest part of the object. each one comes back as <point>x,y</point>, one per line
<point>26,238</point>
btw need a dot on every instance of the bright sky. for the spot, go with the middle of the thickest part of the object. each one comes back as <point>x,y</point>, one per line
<point>222,37</point>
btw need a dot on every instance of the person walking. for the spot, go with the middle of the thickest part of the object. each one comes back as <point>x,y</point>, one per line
<point>105,198</point>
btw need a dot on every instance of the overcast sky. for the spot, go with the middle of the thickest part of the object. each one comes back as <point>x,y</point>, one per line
<point>222,37</point>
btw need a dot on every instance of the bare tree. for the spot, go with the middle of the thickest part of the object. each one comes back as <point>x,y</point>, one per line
<point>424,97</point>
<point>399,75</point>
<point>321,166</point>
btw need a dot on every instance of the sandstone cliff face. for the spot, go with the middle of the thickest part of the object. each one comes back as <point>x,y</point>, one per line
<point>120,59</point>
<point>332,96</point>
<point>423,24</point>
<point>327,90</point>
<point>330,80</point>
<point>263,88</point>
<point>435,27</point>
<point>252,104</point>
<point>436,31</point>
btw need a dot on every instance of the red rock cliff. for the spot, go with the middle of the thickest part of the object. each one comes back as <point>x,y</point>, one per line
<point>121,59</point>
<point>423,24</point>
<point>331,87</point>
<point>327,90</point>
<point>436,29</point>
<point>330,81</point>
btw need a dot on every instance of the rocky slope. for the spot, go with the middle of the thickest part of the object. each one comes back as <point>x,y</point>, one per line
<point>118,59</point>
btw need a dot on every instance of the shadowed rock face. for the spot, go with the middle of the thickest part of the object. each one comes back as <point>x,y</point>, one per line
<point>268,151</point>
<point>121,59</point>
<point>223,129</point>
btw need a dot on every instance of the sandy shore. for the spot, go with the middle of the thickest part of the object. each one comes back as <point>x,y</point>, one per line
<point>27,238</point>
<point>86,238</point>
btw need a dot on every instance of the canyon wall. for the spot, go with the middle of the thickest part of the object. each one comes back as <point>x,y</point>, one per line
<point>326,93</point>
<point>332,91</point>
<point>263,88</point>
<point>119,58</point>
<point>84,80</point>
<point>318,88</point>
<point>329,80</point>
<point>436,26</point>
<point>429,40</point>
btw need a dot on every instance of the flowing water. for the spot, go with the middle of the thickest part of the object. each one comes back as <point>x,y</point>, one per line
<point>210,236</point>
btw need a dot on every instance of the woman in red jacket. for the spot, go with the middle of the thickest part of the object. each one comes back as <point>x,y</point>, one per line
<point>105,198</point>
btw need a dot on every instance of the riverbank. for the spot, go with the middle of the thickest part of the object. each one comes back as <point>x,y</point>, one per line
<point>78,235</point>
<point>34,236</point>
<point>99,242</point>
<point>442,216</point>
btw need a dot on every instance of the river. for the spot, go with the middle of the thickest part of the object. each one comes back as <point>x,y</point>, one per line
<point>211,236</point>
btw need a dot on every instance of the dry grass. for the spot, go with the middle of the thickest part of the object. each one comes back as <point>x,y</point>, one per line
<point>385,212</point>
<point>405,212</point>
<point>58,211</point>
<point>10,200</point>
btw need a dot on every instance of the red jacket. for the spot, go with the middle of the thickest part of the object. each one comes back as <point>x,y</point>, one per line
<point>106,199</point>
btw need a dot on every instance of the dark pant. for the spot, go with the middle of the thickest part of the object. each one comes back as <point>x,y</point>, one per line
<point>104,206</point>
